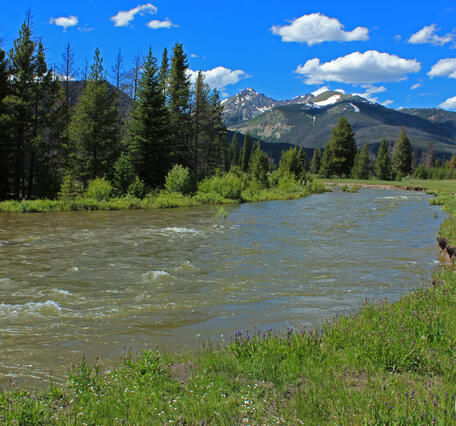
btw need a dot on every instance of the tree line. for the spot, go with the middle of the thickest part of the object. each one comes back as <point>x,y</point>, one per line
<point>341,158</point>
<point>45,141</point>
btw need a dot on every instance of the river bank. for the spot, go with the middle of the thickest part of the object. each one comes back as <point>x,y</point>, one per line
<point>164,199</point>
<point>392,362</point>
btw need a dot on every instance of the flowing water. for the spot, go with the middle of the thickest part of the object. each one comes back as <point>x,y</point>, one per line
<point>102,283</point>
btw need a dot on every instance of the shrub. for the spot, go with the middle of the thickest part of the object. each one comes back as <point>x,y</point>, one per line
<point>179,180</point>
<point>137,189</point>
<point>70,189</point>
<point>99,189</point>
<point>227,186</point>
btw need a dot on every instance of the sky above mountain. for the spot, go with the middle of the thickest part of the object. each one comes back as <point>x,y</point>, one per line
<point>399,54</point>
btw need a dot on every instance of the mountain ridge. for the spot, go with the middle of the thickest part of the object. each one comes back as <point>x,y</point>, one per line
<point>309,122</point>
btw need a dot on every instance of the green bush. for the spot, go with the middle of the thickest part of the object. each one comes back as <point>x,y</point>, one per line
<point>227,186</point>
<point>137,189</point>
<point>99,189</point>
<point>179,180</point>
<point>70,189</point>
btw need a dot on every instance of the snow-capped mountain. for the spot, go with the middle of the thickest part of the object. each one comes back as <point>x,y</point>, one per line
<point>249,104</point>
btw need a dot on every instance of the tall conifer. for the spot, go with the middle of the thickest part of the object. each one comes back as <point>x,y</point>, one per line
<point>94,127</point>
<point>316,161</point>
<point>148,134</point>
<point>383,162</point>
<point>402,156</point>
<point>6,146</point>
<point>245,154</point>
<point>343,148</point>
<point>179,107</point>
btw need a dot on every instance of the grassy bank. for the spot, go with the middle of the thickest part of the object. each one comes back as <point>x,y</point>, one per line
<point>164,199</point>
<point>430,185</point>
<point>392,363</point>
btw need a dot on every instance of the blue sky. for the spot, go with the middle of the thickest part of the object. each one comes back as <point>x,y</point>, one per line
<point>401,54</point>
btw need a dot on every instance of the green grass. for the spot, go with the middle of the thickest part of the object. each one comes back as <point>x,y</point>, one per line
<point>391,363</point>
<point>160,200</point>
<point>432,185</point>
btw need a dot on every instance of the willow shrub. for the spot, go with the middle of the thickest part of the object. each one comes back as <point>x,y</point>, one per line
<point>179,180</point>
<point>228,185</point>
<point>99,189</point>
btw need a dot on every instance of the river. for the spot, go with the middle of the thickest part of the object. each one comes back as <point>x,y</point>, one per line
<point>103,283</point>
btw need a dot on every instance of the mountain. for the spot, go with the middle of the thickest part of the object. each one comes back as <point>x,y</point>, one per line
<point>76,88</point>
<point>309,123</point>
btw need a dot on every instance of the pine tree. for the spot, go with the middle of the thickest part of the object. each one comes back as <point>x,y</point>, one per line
<point>94,127</point>
<point>20,105</point>
<point>326,167</point>
<point>402,156</point>
<point>148,132</point>
<point>217,155</point>
<point>179,107</point>
<point>163,74</point>
<point>234,151</point>
<point>45,162</point>
<point>6,147</point>
<point>361,168</point>
<point>30,119</point>
<point>316,161</point>
<point>245,154</point>
<point>201,123</point>
<point>259,167</point>
<point>383,163</point>
<point>303,164</point>
<point>343,147</point>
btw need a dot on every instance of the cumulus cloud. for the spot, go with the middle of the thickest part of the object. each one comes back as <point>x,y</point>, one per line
<point>155,24</point>
<point>450,103</point>
<point>317,28</point>
<point>65,22</point>
<point>444,68</point>
<point>388,102</point>
<point>359,68</point>
<point>124,17</point>
<point>219,77</point>
<point>369,91</point>
<point>415,86</point>
<point>427,35</point>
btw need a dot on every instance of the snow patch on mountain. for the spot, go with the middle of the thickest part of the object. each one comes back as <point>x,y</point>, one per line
<point>331,100</point>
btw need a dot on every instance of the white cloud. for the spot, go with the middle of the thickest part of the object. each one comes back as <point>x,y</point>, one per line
<point>155,24</point>
<point>219,77</point>
<point>427,35</point>
<point>415,86</point>
<point>397,38</point>
<point>194,55</point>
<point>320,90</point>
<point>450,103</point>
<point>369,91</point>
<point>65,22</point>
<point>387,102</point>
<point>358,68</point>
<point>444,68</point>
<point>317,28</point>
<point>124,17</point>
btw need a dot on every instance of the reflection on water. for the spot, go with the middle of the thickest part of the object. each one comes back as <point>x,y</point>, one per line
<point>100,283</point>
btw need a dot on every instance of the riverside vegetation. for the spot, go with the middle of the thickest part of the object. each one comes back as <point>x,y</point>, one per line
<point>392,363</point>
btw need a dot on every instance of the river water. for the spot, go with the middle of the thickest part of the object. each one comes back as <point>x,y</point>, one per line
<point>102,283</point>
